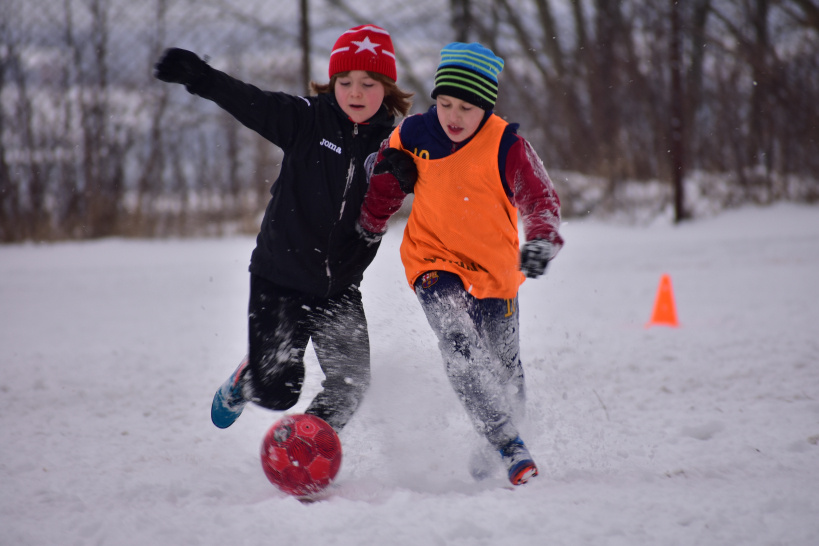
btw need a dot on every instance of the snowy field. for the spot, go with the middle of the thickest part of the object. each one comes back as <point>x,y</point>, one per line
<point>706,434</point>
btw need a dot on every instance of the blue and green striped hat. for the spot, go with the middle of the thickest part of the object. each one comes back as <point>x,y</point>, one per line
<point>468,72</point>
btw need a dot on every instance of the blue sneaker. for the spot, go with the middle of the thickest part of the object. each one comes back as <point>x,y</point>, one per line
<point>228,402</point>
<point>518,462</point>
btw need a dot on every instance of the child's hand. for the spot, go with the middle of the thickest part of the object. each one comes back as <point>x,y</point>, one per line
<point>180,66</point>
<point>401,165</point>
<point>534,257</point>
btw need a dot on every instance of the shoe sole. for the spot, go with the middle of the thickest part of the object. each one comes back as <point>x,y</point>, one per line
<point>525,471</point>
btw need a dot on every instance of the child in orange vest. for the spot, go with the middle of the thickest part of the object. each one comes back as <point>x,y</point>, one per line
<point>471,174</point>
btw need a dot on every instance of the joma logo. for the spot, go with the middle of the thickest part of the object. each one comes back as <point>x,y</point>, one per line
<point>327,144</point>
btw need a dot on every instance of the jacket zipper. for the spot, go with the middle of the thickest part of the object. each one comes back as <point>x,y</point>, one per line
<point>350,174</point>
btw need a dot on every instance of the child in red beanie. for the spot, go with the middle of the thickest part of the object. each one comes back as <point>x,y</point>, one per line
<point>308,262</point>
<point>471,174</point>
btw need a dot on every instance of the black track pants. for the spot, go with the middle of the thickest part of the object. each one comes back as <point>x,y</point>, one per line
<point>281,323</point>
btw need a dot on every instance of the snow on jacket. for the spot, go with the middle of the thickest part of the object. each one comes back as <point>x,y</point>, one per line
<point>307,240</point>
<point>525,180</point>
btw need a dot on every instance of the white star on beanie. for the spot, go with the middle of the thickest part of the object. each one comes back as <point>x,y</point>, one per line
<point>371,40</point>
<point>366,45</point>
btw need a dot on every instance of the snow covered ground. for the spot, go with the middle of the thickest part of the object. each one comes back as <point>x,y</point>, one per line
<point>705,434</point>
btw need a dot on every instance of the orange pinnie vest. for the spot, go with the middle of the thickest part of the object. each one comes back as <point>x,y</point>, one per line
<point>461,219</point>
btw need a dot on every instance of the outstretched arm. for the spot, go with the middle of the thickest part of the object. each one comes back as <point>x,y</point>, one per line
<point>271,114</point>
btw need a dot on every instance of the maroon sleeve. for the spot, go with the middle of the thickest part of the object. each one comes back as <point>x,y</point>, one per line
<point>534,194</point>
<point>383,199</point>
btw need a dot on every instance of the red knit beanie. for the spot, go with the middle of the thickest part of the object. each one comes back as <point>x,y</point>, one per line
<point>365,47</point>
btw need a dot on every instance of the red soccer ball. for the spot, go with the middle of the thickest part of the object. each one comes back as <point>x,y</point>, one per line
<point>301,454</point>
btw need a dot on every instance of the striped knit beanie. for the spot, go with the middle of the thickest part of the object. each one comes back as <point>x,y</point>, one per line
<point>468,72</point>
<point>365,47</point>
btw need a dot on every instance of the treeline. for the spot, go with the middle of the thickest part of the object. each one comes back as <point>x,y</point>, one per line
<point>641,90</point>
<point>622,90</point>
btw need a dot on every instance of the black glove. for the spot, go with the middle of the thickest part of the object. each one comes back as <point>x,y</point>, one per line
<point>368,236</point>
<point>534,257</point>
<point>401,165</point>
<point>180,66</point>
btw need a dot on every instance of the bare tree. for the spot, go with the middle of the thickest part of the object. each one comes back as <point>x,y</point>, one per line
<point>304,41</point>
<point>461,19</point>
<point>677,115</point>
<point>9,198</point>
<point>622,90</point>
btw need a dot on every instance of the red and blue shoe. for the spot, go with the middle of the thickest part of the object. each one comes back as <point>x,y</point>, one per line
<point>518,462</point>
<point>229,400</point>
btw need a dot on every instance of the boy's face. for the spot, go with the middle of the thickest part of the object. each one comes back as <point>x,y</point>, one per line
<point>359,95</point>
<point>459,119</point>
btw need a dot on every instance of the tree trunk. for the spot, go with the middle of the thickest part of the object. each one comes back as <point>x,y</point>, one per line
<point>677,116</point>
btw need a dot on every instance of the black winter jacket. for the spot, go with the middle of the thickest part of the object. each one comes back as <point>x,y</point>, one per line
<point>307,240</point>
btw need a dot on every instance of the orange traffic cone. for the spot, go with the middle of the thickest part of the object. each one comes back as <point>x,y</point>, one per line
<point>665,313</point>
